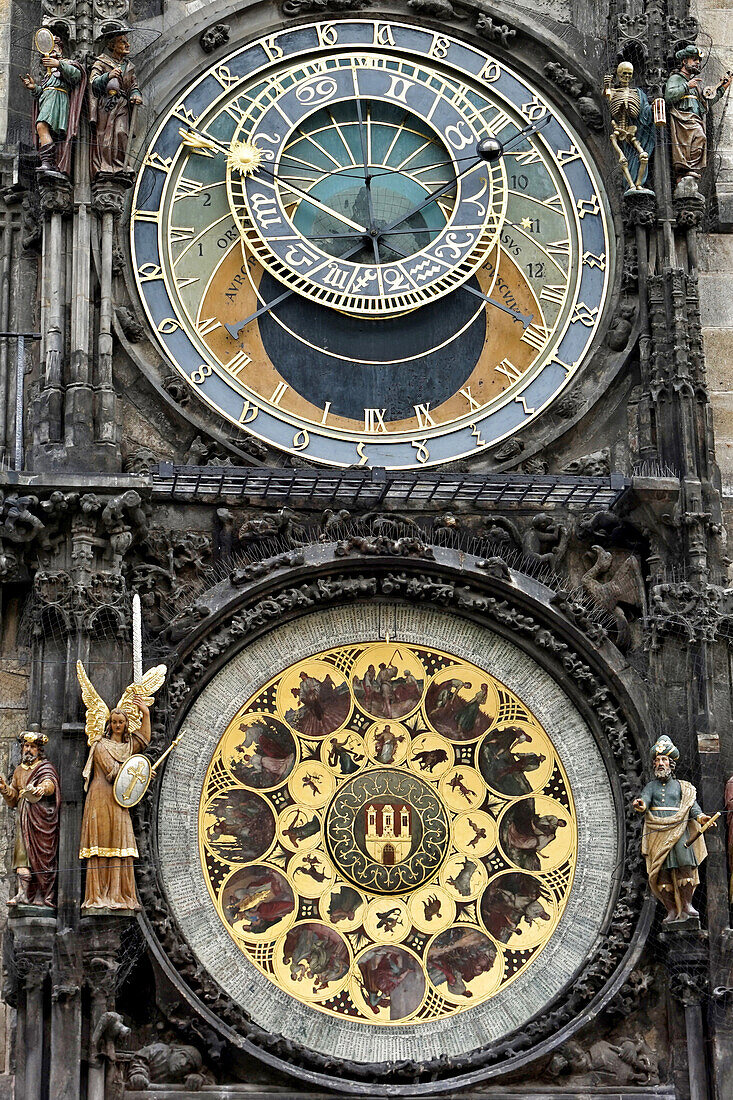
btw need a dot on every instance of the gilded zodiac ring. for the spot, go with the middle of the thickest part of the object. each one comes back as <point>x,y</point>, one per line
<point>275,213</point>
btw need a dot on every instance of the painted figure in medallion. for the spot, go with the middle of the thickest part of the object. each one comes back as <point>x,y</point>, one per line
<point>343,758</point>
<point>243,826</point>
<point>107,838</point>
<point>322,705</point>
<point>391,979</point>
<point>525,833</point>
<point>457,956</point>
<point>504,769</point>
<point>428,759</point>
<point>34,790</point>
<point>257,899</point>
<point>689,103</point>
<point>461,880</point>
<point>632,125</point>
<point>315,953</point>
<point>671,841</point>
<point>57,108</point>
<point>385,744</point>
<point>384,692</point>
<point>511,899</point>
<point>266,754</point>
<point>455,713</point>
<point>344,904</point>
<point>301,828</point>
<point>113,95</point>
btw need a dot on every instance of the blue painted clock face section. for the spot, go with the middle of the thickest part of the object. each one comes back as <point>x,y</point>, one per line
<point>395,357</point>
<point>431,374</point>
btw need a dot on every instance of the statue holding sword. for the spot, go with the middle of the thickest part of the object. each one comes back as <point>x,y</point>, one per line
<point>116,777</point>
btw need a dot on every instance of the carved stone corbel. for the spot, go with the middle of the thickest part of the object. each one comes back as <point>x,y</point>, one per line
<point>108,194</point>
<point>56,196</point>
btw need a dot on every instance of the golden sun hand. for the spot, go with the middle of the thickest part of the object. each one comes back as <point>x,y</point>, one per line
<point>244,157</point>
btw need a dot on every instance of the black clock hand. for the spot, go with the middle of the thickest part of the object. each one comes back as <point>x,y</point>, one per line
<point>235,329</point>
<point>526,320</point>
<point>367,182</point>
<point>432,197</point>
<point>500,150</point>
<point>496,152</point>
<point>414,232</point>
<point>212,145</point>
<point>517,138</point>
<point>382,171</point>
<point>315,202</point>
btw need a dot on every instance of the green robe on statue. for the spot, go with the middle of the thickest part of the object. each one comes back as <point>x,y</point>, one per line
<point>53,97</point>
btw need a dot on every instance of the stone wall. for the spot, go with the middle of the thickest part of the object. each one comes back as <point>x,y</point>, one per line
<point>716,258</point>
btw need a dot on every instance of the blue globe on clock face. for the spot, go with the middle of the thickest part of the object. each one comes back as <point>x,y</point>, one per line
<point>371,244</point>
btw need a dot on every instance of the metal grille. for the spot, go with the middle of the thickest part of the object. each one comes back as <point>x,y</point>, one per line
<point>371,488</point>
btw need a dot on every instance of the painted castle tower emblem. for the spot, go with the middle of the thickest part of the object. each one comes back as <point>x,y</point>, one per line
<point>388,831</point>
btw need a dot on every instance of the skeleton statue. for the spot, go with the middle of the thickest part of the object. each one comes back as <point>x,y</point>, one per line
<point>632,125</point>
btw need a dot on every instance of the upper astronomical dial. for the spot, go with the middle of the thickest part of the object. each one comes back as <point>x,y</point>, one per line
<point>325,257</point>
<point>370,197</point>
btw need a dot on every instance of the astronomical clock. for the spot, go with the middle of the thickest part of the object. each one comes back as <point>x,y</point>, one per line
<point>360,404</point>
<point>370,243</point>
<point>388,836</point>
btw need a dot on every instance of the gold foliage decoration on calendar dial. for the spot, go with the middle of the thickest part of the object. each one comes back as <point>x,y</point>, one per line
<point>386,831</point>
<point>330,253</point>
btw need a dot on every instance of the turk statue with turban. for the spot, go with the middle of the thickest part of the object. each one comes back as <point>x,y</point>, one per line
<point>671,841</point>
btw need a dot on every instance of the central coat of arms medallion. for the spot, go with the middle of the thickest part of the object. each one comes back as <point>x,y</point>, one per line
<point>387,830</point>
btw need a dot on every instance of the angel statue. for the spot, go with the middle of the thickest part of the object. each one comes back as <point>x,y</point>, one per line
<point>107,837</point>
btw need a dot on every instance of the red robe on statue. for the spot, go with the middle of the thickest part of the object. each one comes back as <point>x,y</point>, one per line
<point>39,830</point>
